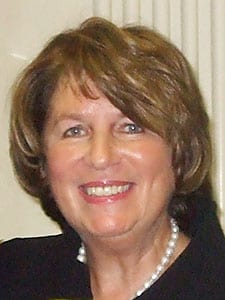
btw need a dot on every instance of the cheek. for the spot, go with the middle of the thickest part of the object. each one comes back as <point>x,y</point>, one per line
<point>154,164</point>
<point>60,161</point>
<point>152,157</point>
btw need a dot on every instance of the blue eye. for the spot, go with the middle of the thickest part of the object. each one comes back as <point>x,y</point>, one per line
<point>132,128</point>
<point>75,131</point>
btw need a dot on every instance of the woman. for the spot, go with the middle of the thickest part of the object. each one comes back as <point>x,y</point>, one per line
<point>109,130</point>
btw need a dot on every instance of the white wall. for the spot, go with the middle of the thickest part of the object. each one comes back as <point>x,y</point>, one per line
<point>196,26</point>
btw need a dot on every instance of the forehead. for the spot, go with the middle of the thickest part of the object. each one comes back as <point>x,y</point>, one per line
<point>68,97</point>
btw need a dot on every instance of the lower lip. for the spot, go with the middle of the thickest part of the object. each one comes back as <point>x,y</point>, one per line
<point>104,199</point>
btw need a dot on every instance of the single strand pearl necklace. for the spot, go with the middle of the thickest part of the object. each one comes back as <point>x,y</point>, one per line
<point>160,267</point>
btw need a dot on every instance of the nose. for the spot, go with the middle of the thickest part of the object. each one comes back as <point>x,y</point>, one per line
<point>103,151</point>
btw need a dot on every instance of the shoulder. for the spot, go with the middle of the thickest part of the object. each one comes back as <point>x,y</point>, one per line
<point>203,262</point>
<point>26,263</point>
<point>28,247</point>
<point>42,268</point>
<point>33,254</point>
<point>20,253</point>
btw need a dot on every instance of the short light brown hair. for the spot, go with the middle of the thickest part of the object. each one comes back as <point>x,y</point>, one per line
<point>139,71</point>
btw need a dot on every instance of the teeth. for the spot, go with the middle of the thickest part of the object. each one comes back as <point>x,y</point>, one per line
<point>106,190</point>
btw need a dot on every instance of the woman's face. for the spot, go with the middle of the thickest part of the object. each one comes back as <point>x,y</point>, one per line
<point>108,176</point>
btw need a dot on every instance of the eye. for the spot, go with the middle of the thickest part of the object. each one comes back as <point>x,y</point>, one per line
<point>76,131</point>
<point>132,128</point>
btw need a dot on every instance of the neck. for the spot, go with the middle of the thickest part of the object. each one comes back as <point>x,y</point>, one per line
<point>129,247</point>
<point>118,261</point>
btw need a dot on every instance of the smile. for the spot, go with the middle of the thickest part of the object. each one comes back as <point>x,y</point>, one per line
<point>106,190</point>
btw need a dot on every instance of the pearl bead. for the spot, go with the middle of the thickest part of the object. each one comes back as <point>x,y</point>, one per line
<point>147,285</point>
<point>169,251</point>
<point>164,260</point>
<point>159,268</point>
<point>171,243</point>
<point>174,236</point>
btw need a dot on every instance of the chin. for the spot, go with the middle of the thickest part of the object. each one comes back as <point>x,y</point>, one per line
<point>108,228</point>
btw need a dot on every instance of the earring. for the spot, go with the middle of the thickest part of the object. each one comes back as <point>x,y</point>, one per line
<point>81,257</point>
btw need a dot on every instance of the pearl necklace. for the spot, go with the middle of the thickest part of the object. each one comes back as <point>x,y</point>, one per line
<point>159,268</point>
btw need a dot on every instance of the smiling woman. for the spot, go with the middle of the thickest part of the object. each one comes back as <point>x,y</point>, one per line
<point>109,131</point>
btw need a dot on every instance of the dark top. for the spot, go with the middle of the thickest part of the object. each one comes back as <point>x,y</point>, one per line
<point>46,267</point>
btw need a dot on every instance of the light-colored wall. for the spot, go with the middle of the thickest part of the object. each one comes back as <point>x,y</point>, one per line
<point>196,26</point>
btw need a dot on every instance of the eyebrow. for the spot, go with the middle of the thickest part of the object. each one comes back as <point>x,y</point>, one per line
<point>76,116</point>
<point>67,116</point>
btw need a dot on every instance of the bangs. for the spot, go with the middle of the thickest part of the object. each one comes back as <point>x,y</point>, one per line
<point>117,70</point>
